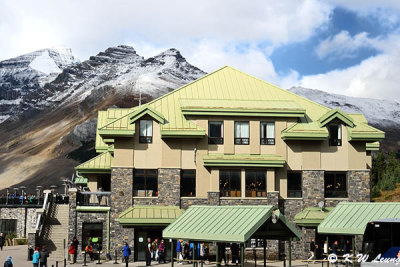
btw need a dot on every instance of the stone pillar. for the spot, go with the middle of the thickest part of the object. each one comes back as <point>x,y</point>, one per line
<point>213,198</point>
<point>121,199</point>
<point>32,239</point>
<point>169,187</point>
<point>359,186</point>
<point>358,243</point>
<point>72,227</point>
<point>313,188</point>
<point>273,198</point>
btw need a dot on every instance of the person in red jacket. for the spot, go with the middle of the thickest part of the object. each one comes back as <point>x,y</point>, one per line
<point>72,252</point>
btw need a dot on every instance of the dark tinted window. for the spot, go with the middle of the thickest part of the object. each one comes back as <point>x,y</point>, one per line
<point>188,183</point>
<point>229,183</point>
<point>335,135</point>
<point>335,184</point>
<point>215,132</point>
<point>294,184</point>
<point>145,183</point>
<point>256,183</point>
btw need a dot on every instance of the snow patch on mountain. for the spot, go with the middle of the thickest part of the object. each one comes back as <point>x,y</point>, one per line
<point>377,111</point>
<point>44,63</point>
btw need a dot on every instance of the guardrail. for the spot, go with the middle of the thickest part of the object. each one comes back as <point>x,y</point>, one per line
<point>41,213</point>
<point>93,199</point>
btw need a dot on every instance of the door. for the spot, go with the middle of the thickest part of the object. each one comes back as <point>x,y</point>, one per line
<point>141,235</point>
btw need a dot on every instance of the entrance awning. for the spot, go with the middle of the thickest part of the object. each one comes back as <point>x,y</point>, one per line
<point>150,215</point>
<point>351,218</point>
<point>231,224</point>
<point>312,216</point>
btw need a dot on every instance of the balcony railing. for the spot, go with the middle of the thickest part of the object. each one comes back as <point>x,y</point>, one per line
<point>93,199</point>
<point>19,201</point>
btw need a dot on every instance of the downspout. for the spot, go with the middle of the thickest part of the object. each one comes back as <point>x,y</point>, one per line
<point>108,231</point>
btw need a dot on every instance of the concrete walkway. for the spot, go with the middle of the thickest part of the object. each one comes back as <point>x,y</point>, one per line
<point>20,255</point>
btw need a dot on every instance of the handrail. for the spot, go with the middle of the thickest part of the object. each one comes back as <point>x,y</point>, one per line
<point>100,198</point>
<point>41,213</point>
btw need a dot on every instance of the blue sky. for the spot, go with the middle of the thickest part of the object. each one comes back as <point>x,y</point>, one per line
<point>339,46</point>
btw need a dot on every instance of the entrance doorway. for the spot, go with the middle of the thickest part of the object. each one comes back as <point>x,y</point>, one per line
<point>141,235</point>
<point>92,232</point>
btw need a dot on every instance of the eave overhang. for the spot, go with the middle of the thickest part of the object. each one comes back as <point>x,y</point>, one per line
<point>335,114</point>
<point>245,160</point>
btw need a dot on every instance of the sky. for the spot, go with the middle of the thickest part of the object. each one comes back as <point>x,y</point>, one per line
<point>339,46</point>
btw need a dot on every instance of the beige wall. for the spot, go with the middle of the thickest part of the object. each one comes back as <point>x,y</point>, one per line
<point>179,153</point>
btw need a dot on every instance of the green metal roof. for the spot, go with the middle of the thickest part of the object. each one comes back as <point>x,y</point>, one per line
<point>312,216</point>
<point>100,164</point>
<point>351,218</point>
<point>305,131</point>
<point>263,160</point>
<point>150,215</point>
<point>373,146</point>
<point>80,180</point>
<point>336,114</point>
<point>227,107</point>
<point>365,132</point>
<point>227,224</point>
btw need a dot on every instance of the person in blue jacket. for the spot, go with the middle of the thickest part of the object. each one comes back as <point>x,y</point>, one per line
<point>36,257</point>
<point>179,251</point>
<point>126,251</point>
<point>9,262</point>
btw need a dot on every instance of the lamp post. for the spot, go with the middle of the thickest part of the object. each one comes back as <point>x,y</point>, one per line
<point>65,184</point>
<point>8,191</point>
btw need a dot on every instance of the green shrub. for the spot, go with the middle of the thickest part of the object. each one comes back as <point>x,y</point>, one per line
<point>376,192</point>
<point>22,241</point>
<point>11,235</point>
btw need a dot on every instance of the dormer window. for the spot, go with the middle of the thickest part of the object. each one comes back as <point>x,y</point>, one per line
<point>267,133</point>
<point>335,134</point>
<point>146,131</point>
<point>215,132</point>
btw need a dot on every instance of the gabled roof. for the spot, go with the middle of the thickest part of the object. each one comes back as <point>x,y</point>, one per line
<point>351,218</point>
<point>374,146</point>
<point>100,164</point>
<point>150,215</point>
<point>229,224</point>
<point>305,131</point>
<point>247,160</point>
<point>335,114</point>
<point>365,132</point>
<point>312,216</point>
<point>146,110</point>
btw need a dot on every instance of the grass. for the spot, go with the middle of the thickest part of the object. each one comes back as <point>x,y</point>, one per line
<point>389,196</point>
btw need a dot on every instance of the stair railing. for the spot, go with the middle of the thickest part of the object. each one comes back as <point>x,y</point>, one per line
<point>41,213</point>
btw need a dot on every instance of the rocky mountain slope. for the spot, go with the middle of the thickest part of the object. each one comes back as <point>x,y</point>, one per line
<point>38,140</point>
<point>382,113</point>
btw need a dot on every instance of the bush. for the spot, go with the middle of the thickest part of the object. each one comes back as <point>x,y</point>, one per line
<point>11,235</point>
<point>22,241</point>
<point>376,192</point>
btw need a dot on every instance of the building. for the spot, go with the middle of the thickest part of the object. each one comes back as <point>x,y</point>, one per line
<point>225,139</point>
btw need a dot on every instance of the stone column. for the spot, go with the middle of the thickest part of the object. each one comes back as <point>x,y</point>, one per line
<point>273,198</point>
<point>213,198</point>
<point>359,185</point>
<point>169,187</point>
<point>313,188</point>
<point>72,214</point>
<point>121,199</point>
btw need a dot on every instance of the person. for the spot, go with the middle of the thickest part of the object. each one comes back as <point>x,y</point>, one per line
<point>334,249</point>
<point>148,252</point>
<point>223,252</point>
<point>89,250</point>
<point>76,243</point>
<point>36,257</point>
<point>72,251</point>
<point>2,240</point>
<point>126,252</point>
<point>161,251</point>
<point>346,247</point>
<point>186,251</point>
<point>154,247</point>
<point>312,249</point>
<point>202,251</point>
<point>9,262</point>
<point>179,251</point>
<point>235,253</point>
<point>44,254</point>
<point>318,252</point>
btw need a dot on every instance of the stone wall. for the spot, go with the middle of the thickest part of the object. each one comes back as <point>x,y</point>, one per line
<point>145,201</point>
<point>121,199</point>
<point>271,199</point>
<point>213,198</point>
<point>72,228</point>
<point>187,202</point>
<point>313,188</point>
<point>25,217</point>
<point>359,187</point>
<point>91,217</point>
<point>169,187</point>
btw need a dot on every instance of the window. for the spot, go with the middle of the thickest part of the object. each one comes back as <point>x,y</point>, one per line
<point>146,131</point>
<point>267,133</point>
<point>188,183</point>
<point>242,133</point>
<point>229,183</point>
<point>215,132</point>
<point>294,187</point>
<point>92,232</point>
<point>335,134</point>
<point>335,184</point>
<point>255,184</point>
<point>8,226</point>
<point>145,183</point>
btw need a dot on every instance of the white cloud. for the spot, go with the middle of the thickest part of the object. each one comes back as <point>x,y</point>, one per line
<point>343,45</point>
<point>375,77</point>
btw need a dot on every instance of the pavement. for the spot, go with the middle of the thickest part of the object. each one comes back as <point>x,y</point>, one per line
<point>20,255</point>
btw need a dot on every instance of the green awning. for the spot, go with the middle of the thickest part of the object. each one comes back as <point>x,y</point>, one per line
<point>312,216</point>
<point>150,215</point>
<point>100,164</point>
<point>246,160</point>
<point>351,218</point>
<point>231,224</point>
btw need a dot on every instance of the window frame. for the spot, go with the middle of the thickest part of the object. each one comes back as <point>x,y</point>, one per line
<point>212,140</point>
<point>145,139</point>
<point>259,192</point>
<point>266,140</point>
<point>186,176</point>
<point>338,141</point>
<point>294,193</point>
<point>146,175</point>
<point>229,192</point>
<point>241,140</point>
<point>330,193</point>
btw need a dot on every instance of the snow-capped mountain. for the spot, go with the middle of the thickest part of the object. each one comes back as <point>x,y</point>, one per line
<point>22,79</point>
<point>377,111</point>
